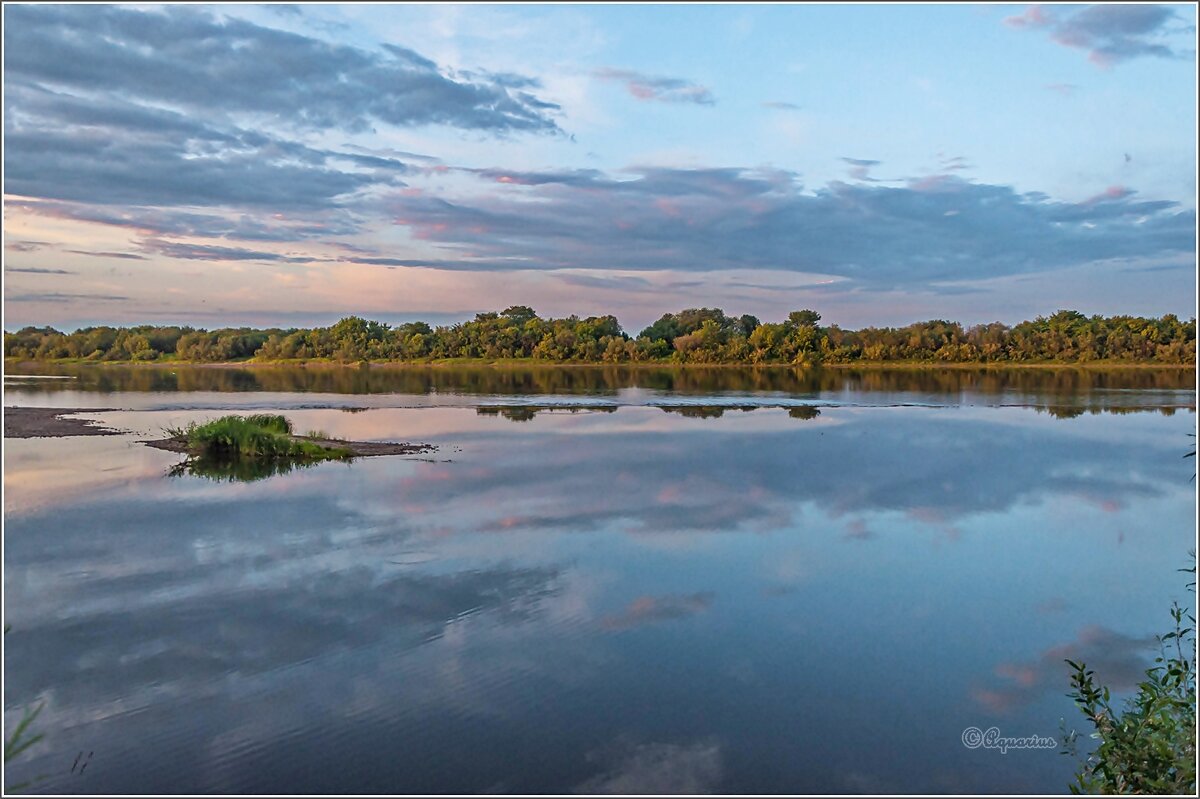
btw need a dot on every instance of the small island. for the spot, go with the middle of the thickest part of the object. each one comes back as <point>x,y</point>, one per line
<point>247,448</point>
<point>271,437</point>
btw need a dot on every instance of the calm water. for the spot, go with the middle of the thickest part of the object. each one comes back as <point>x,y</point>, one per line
<point>604,580</point>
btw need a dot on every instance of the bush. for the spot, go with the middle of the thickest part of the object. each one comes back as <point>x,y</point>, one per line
<point>257,436</point>
<point>1150,745</point>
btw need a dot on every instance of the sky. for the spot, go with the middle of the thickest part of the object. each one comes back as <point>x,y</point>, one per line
<point>287,165</point>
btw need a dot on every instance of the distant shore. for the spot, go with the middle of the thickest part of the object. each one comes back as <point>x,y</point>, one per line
<point>537,363</point>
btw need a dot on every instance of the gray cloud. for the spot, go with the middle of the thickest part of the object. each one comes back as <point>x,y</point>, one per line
<point>209,252</point>
<point>616,282</point>
<point>1065,89</point>
<point>119,153</point>
<point>860,168</point>
<point>141,111</point>
<point>154,223</point>
<point>779,105</point>
<point>658,88</point>
<point>384,261</point>
<point>218,65</point>
<point>952,163</point>
<point>33,270</point>
<point>63,297</point>
<point>1119,661</point>
<point>129,256</point>
<point>1110,33</point>
<point>933,229</point>
<point>25,246</point>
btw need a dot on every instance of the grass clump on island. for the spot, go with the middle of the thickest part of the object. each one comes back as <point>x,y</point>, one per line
<point>259,436</point>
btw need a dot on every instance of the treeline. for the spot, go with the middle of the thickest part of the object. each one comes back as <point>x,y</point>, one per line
<point>697,335</point>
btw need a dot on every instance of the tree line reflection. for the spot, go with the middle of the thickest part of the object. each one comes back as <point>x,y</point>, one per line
<point>600,380</point>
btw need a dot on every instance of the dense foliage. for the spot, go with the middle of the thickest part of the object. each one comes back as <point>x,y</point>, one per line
<point>260,436</point>
<point>696,335</point>
<point>1149,746</point>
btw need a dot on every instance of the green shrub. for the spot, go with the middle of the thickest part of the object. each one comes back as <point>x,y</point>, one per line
<point>1150,745</point>
<point>256,436</point>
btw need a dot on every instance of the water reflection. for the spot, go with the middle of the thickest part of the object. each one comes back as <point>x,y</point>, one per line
<point>650,609</point>
<point>638,601</point>
<point>1120,662</point>
<point>705,411</point>
<point>1071,386</point>
<point>655,479</point>
<point>656,768</point>
<point>241,470</point>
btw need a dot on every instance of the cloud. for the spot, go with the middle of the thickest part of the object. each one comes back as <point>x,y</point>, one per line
<point>952,163</point>
<point>63,297</point>
<point>657,768</point>
<point>214,66</point>
<point>1110,33</point>
<point>938,228</point>
<point>152,224</point>
<point>115,152</point>
<point>1119,660</point>
<point>33,270</point>
<point>1065,89</point>
<point>129,256</point>
<point>657,88</point>
<point>25,246</point>
<point>119,116</point>
<point>208,252</point>
<point>779,105</point>
<point>860,168</point>
<point>609,282</point>
<point>1110,194</point>
<point>649,609</point>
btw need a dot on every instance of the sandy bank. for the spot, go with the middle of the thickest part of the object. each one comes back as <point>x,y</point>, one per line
<point>52,423</point>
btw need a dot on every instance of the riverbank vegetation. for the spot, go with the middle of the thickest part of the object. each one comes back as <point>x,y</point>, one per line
<point>1149,746</point>
<point>697,335</point>
<point>261,436</point>
<point>245,448</point>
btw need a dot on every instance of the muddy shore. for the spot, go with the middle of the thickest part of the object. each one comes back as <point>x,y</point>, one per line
<point>20,422</point>
<point>52,423</point>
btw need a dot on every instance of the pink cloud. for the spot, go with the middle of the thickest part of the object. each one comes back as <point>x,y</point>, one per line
<point>1111,194</point>
<point>1109,32</point>
<point>1034,17</point>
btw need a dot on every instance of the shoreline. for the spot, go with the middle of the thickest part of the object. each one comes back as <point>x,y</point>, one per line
<point>513,363</point>
<point>26,422</point>
<point>32,422</point>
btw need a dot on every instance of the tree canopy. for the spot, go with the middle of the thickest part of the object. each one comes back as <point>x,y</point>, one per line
<point>693,335</point>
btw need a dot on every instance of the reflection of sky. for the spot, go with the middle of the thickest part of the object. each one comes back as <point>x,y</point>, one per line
<point>594,601</point>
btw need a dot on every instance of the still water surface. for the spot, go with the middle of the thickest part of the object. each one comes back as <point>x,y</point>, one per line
<point>603,580</point>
